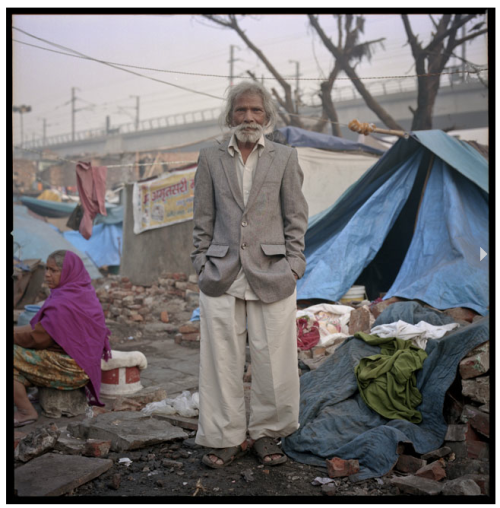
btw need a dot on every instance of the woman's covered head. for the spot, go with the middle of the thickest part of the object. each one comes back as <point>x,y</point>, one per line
<point>53,268</point>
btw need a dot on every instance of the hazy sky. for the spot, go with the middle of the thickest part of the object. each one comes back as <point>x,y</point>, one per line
<point>184,43</point>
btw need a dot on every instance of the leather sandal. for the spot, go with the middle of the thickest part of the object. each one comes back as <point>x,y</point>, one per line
<point>227,455</point>
<point>266,446</point>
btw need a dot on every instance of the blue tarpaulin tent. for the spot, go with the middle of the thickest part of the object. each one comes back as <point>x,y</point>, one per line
<point>411,226</point>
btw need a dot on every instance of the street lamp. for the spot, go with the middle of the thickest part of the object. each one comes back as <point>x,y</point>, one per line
<point>21,109</point>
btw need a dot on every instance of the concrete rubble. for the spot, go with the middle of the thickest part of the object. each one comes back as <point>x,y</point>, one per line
<point>127,430</point>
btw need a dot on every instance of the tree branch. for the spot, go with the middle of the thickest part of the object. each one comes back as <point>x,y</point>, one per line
<point>438,38</point>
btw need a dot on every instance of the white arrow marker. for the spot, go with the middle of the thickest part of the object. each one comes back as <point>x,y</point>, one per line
<point>482,254</point>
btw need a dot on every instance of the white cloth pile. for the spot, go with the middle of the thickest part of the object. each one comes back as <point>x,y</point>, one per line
<point>419,334</point>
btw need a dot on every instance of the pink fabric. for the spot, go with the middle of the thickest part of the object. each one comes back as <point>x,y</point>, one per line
<point>72,315</point>
<point>91,183</point>
<point>307,333</point>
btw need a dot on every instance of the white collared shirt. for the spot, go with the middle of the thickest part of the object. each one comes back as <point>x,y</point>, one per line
<point>240,288</point>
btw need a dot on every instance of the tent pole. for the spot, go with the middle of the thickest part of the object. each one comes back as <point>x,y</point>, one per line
<point>431,162</point>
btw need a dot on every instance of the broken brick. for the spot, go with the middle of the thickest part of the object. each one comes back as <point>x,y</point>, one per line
<point>478,389</point>
<point>137,317</point>
<point>409,464</point>
<point>193,337</point>
<point>189,328</point>
<point>475,365</point>
<point>436,454</point>
<point>338,467</point>
<point>479,420</point>
<point>433,471</point>
<point>415,485</point>
<point>96,448</point>
<point>456,432</point>
<point>164,316</point>
<point>378,308</point>
<point>359,320</point>
<point>461,314</point>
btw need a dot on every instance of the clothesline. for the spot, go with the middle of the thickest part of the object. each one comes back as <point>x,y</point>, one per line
<point>133,164</point>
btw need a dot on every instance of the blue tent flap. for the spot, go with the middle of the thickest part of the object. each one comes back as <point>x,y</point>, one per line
<point>103,247</point>
<point>440,263</point>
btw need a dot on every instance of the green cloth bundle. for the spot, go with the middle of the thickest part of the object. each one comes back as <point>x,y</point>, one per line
<point>387,381</point>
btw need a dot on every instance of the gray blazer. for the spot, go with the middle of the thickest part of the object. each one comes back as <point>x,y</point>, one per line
<point>266,237</point>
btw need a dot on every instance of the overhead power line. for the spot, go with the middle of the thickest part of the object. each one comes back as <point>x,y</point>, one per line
<point>120,66</point>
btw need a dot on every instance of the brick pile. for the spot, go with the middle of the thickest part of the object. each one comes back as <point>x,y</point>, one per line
<point>128,303</point>
<point>24,174</point>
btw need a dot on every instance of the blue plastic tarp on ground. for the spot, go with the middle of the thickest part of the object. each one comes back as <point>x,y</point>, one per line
<point>335,422</point>
<point>300,137</point>
<point>37,239</point>
<point>444,251</point>
<point>103,247</point>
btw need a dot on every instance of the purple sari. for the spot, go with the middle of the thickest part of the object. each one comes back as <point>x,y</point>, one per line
<point>72,315</point>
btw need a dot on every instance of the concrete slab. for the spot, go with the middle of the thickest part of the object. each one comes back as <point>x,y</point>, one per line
<point>54,475</point>
<point>179,421</point>
<point>127,430</point>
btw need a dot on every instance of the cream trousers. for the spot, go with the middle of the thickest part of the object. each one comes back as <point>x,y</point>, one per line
<point>274,400</point>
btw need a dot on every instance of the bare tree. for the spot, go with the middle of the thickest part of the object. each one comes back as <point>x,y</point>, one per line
<point>431,60</point>
<point>286,101</point>
<point>349,30</point>
<point>352,51</point>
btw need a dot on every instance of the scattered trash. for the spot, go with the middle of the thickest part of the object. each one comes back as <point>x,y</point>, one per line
<point>89,413</point>
<point>248,475</point>
<point>321,481</point>
<point>379,481</point>
<point>185,405</point>
<point>124,460</point>
<point>131,338</point>
<point>199,487</point>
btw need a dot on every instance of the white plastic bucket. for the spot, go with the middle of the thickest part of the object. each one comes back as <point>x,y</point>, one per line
<point>355,294</point>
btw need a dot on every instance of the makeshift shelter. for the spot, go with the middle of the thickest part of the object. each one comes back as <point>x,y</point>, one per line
<point>104,247</point>
<point>411,226</point>
<point>36,239</point>
<point>330,164</point>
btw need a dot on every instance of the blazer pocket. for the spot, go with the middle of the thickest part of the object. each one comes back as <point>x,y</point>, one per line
<point>217,251</point>
<point>273,249</point>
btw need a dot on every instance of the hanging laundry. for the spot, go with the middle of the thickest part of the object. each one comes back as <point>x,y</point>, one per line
<point>91,183</point>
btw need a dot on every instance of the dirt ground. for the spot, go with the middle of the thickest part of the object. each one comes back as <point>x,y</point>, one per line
<point>176,470</point>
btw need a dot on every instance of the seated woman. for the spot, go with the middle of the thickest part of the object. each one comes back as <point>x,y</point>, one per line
<point>63,345</point>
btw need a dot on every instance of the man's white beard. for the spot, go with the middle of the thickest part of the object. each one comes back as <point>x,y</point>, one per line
<point>250,136</point>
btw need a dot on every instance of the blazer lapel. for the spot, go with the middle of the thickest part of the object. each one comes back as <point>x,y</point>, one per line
<point>230,170</point>
<point>261,172</point>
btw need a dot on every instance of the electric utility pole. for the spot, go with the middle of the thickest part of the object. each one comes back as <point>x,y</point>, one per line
<point>231,63</point>
<point>137,103</point>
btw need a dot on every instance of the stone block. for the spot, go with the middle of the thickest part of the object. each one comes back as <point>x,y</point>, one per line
<point>181,285</point>
<point>416,486</point>
<point>57,403</point>
<point>97,448</point>
<point>37,442</point>
<point>144,311</point>
<point>177,292</point>
<point>164,317</point>
<point>68,444</point>
<point>193,279</point>
<point>475,365</point>
<point>477,389</point>
<point>338,467</point>
<point>178,338</point>
<point>55,475</point>
<point>137,318</point>
<point>478,450</point>
<point>482,348</point>
<point>192,287</point>
<point>482,480</point>
<point>433,471</point>
<point>461,487</point>
<point>409,464</point>
<point>456,432</point>
<point>179,421</point>
<point>172,463</point>
<point>479,420</point>
<point>436,454</point>
<point>359,320</point>
<point>462,467</point>
<point>329,489</point>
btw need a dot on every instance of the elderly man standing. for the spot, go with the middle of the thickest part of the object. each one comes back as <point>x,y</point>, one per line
<point>250,217</point>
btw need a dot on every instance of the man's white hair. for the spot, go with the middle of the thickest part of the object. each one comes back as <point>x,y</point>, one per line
<point>250,87</point>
